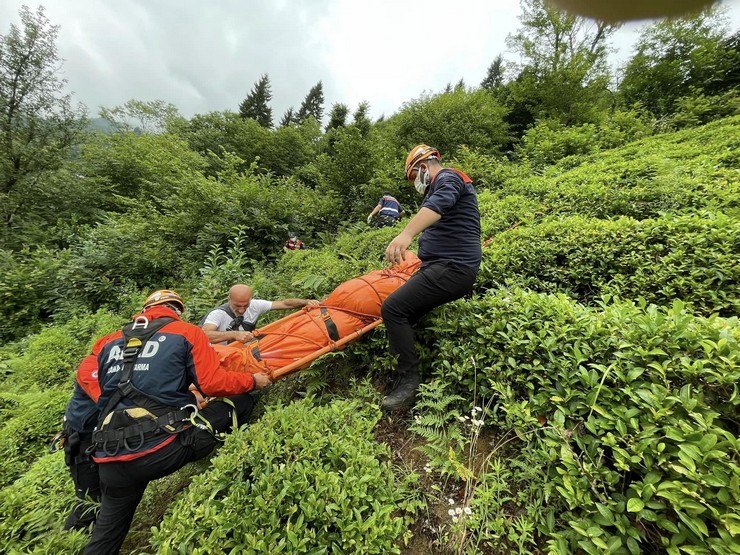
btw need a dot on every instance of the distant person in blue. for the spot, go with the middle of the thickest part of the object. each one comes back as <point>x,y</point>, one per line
<point>389,211</point>
<point>450,253</point>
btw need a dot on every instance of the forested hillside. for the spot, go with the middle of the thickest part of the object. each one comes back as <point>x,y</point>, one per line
<point>584,399</point>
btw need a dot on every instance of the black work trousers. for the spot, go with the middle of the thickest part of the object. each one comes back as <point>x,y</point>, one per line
<point>84,473</point>
<point>386,220</point>
<point>430,287</point>
<point>123,483</point>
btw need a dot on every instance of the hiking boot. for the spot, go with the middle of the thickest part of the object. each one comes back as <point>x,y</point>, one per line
<point>403,394</point>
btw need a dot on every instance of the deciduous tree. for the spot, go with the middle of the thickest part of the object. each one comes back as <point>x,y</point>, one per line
<point>679,57</point>
<point>563,74</point>
<point>154,116</point>
<point>38,123</point>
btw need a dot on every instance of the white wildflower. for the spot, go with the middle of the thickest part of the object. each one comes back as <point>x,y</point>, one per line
<point>458,510</point>
<point>454,519</point>
<point>451,501</point>
<point>451,512</point>
<point>468,511</point>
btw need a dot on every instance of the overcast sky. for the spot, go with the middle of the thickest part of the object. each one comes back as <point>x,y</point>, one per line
<point>206,55</point>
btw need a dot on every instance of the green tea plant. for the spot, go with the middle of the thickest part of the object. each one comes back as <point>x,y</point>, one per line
<point>35,417</point>
<point>33,509</point>
<point>675,172</point>
<point>303,479</point>
<point>694,258</point>
<point>629,411</point>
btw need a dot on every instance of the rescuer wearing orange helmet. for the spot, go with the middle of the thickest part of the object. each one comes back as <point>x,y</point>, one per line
<point>450,252</point>
<point>148,421</point>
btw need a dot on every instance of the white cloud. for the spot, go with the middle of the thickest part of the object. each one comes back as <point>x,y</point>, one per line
<point>206,56</point>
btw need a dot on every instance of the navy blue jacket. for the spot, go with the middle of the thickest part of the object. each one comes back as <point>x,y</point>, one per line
<point>456,236</point>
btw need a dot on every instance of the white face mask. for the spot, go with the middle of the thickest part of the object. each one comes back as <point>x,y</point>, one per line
<point>422,181</point>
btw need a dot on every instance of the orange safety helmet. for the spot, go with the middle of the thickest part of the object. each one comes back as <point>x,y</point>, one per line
<point>163,296</point>
<point>417,154</point>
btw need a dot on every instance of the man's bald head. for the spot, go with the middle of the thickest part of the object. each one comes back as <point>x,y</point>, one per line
<point>240,296</point>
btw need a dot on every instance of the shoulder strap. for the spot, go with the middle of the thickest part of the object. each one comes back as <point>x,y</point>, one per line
<point>463,176</point>
<point>135,336</point>
<point>225,307</point>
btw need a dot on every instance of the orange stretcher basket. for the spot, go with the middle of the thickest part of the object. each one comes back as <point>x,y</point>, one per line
<point>294,342</point>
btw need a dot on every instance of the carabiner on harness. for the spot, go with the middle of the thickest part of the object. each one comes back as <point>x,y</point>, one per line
<point>57,442</point>
<point>197,420</point>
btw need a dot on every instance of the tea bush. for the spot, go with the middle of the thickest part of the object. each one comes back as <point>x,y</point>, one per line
<point>682,171</point>
<point>304,479</point>
<point>639,446</point>
<point>51,357</point>
<point>695,258</point>
<point>33,510</point>
<point>25,435</point>
<point>498,214</point>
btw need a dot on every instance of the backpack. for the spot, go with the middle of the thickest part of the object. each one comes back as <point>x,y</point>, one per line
<point>235,322</point>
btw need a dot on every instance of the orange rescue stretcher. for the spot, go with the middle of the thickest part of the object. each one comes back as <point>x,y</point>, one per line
<point>294,342</point>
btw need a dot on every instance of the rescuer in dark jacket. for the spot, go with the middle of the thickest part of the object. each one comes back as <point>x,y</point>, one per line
<point>149,423</point>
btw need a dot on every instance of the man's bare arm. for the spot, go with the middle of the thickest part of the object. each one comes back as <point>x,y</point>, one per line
<point>215,336</point>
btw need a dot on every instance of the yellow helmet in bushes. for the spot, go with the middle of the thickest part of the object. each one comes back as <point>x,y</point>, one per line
<point>164,296</point>
<point>417,154</point>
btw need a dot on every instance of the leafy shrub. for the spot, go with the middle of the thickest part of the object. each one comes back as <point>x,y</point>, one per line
<point>313,478</point>
<point>29,290</point>
<point>499,214</point>
<point>639,442</point>
<point>487,171</point>
<point>33,509</point>
<point>315,273</point>
<point>221,269</point>
<point>549,141</point>
<point>693,258</point>
<point>50,358</point>
<point>36,417</point>
<point>128,251</point>
<point>699,109</point>
<point>142,166</point>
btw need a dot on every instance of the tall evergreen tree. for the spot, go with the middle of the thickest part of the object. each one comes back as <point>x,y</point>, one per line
<point>257,104</point>
<point>337,116</point>
<point>495,74</point>
<point>289,118</point>
<point>361,120</point>
<point>313,104</point>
